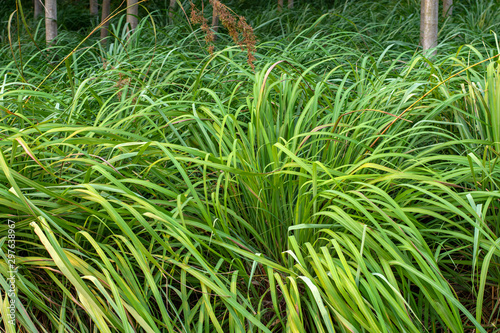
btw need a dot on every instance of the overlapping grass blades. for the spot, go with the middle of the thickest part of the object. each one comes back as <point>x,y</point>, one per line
<point>164,190</point>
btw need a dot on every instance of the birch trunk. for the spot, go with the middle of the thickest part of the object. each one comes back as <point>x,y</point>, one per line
<point>447,7</point>
<point>50,21</point>
<point>132,14</point>
<point>290,4</point>
<point>106,10</point>
<point>429,24</point>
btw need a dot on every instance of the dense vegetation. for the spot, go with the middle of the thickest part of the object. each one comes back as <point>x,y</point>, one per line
<point>348,184</point>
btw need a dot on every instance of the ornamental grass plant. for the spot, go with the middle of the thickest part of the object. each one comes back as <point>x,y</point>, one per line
<point>347,183</point>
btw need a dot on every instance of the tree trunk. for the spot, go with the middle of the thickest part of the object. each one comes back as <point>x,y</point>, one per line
<point>50,21</point>
<point>215,23</point>
<point>132,14</point>
<point>447,7</point>
<point>106,10</point>
<point>38,8</point>
<point>429,24</point>
<point>280,5</point>
<point>290,4</point>
<point>171,9</point>
<point>94,10</point>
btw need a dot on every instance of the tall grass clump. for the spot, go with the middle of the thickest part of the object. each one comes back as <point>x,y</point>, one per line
<point>346,183</point>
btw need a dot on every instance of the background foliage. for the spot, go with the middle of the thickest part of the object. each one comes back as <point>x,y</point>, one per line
<point>348,184</point>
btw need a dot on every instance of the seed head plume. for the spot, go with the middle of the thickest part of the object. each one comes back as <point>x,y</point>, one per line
<point>238,28</point>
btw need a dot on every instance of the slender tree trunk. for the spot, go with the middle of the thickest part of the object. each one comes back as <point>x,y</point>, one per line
<point>94,9</point>
<point>171,9</point>
<point>290,4</point>
<point>38,8</point>
<point>280,5</point>
<point>106,10</point>
<point>132,14</point>
<point>447,7</point>
<point>50,21</point>
<point>215,22</point>
<point>429,24</point>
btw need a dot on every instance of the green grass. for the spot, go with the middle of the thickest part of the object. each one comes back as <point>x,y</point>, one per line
<point>348,184</point>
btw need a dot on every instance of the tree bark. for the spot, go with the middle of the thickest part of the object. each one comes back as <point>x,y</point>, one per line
<point>132,14</point>
<point>106,10</point>
<point>94,9</point>
<point>38,8</point>
<point>215,23</point>
<point>429,24</point>
<point>280,5</point>
<point>290,4</point>
<point>171,9</point>
<point>50,21</point>
<point>447,8</point>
